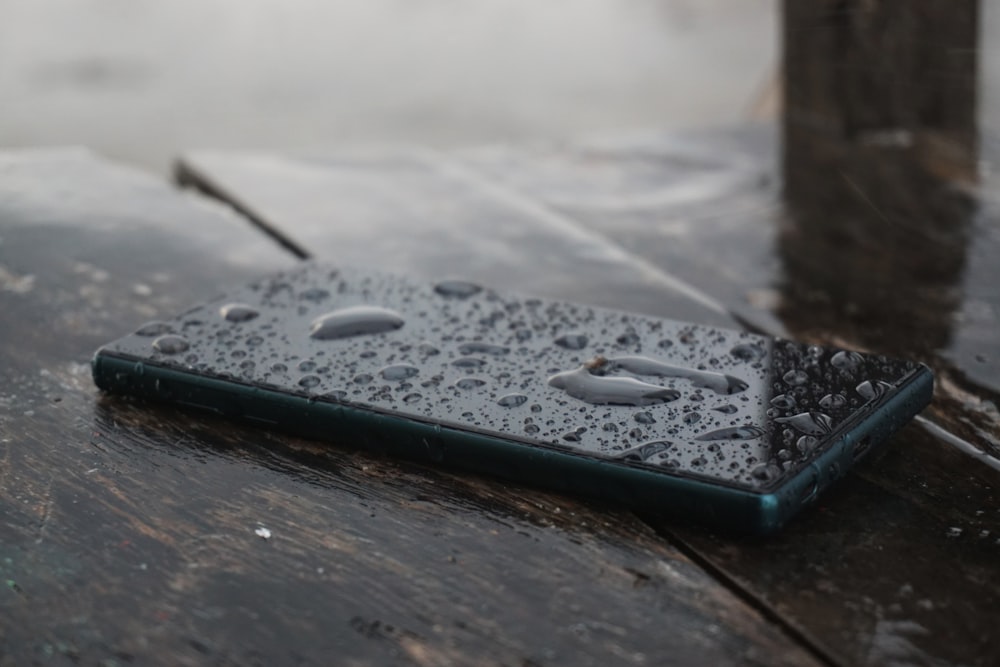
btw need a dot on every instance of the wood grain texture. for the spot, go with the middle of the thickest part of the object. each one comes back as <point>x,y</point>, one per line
<point>897,564</point>
<point>135,533</point>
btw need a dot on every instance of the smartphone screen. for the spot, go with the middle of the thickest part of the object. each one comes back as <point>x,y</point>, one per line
<point>726,407</point>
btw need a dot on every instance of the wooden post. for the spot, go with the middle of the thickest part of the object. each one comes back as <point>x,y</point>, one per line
<point>879,125</point>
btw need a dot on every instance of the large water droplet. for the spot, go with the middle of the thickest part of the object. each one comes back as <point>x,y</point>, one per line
<point>238,312</point>
<point>644,418</point>
<point>457,289</point>
<point>355,321</point>
<point>810,423</point>
<point>469,383</point>
<point>846,360</point>
<point>691,417</point>
<point>362,378</point>
<point>603,390</point>
<point>399,372</point>
<point>572,341</point>
<point>171,344</point>
<point>412,398</point>
<point>482,348</point>
<point>727,409</point>
<point>156,328</point>
<point>733,433</point>
<point>512,400</point>
<point>717,382</point>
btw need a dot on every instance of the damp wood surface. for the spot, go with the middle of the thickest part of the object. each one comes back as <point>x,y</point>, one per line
<point>898,562</point>
<point>137,533</point>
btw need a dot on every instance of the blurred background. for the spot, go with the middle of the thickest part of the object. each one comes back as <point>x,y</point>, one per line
<point>141,80</point>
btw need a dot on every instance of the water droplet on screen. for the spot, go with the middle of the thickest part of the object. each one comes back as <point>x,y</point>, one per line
<point>810,423</point>
<point>691,417</point>
<point>355,321</point>
<point>783,402</point>
<point>572,341</point>
<point>846,360</point>
<point>645,451</point>
<point>483,348</point>
<point>279,367</point>
<point>872,390</point>
<point>468,362</point>
<point>727,409</point>
<point>156,328</point>
<point>628,338</point>
<point>314,294</point>
<point>806,443</point>
<point>733,433</point>
<point>171,344</point>
<point>362,378</point>
<point>512,400</point>
<point>412,398</point>
<point>469,383</point>
<point>427,349</point>
<point>309,381</point>
<point>765,472</point>
<point>457,289</point>
<point>306,366</point>
<point>399,372</point>
<point>531,429</point>
<point>747,352</point>
<point>832,401</point>
<point>644,418</point>
<point>238,312</point>
<point>795,377</point>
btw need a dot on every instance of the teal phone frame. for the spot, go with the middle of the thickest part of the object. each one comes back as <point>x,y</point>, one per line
<point>710,503</point>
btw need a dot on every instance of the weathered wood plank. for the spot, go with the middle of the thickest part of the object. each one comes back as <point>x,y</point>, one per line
<point>902,555</point>
<point>133,532</point>
<point>415,212</point>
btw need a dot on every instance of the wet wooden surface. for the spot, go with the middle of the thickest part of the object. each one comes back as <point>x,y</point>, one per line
<point>898,564</point>
<point>132,533</point>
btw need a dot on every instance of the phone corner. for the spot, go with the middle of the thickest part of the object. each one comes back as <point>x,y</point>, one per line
<point>771,514</point>
<point>97,369</point>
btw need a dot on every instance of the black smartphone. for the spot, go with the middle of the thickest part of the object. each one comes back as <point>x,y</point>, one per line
<point>735,430</point>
